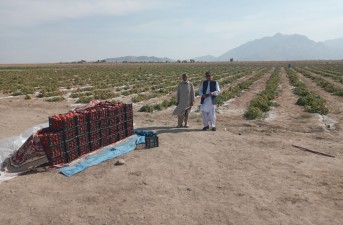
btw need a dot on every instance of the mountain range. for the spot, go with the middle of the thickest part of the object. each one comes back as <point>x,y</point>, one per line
<point>279,47</point>
<point>139,59</point>
<point>286,47</point>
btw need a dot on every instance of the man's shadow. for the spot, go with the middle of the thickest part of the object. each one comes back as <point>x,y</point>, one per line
<point>168,129</point>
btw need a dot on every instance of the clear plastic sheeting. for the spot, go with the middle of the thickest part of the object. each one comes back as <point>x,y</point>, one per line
<point>7,176</point>
<point>11,144</point>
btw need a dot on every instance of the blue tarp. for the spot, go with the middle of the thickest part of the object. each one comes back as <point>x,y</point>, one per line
<point>128,145</point>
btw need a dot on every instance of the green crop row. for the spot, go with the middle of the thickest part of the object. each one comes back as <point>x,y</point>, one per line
<point>117,79</point>
<point>311,101</point>
<point>159,106</point>
<point>227,77</point>
<point>234,91</point>
<point>263,101</point>
<point>329,87</point>
<point>336,76</point>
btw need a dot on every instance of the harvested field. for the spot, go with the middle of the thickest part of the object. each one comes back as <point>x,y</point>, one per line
<point>247,172</point>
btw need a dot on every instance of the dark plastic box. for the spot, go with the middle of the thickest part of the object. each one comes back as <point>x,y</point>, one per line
<point>151,142</point>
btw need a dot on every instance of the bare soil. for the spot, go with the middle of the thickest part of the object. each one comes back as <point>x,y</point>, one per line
<point>247,172</point>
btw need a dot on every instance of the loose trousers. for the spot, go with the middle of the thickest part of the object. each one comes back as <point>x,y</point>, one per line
<point>209,118</point>
<point>183,117</point>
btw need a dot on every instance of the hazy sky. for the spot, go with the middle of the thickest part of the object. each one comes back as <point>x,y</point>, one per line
<point>43,31</point>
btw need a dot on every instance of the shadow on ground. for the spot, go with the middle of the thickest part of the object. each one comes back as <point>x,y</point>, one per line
<point>169,129</point>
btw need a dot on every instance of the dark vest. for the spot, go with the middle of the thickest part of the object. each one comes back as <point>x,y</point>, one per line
<point>212,89</point>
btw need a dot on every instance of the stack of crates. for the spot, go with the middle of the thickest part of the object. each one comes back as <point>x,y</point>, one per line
<point>59,140</point>
<point>93,133</point>
<point>82,132</point>
<point>115,123</point>
<point>128,120</point>
<point>53,144</point>
<point>74,134</point>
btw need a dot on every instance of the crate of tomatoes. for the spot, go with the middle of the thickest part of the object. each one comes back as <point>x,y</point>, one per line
<point>62,122</point>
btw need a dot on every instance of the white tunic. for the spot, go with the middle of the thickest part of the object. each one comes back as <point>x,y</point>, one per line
<point>207,106</point>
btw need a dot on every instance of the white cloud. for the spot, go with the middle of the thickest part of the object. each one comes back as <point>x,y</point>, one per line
<point>24,12</point>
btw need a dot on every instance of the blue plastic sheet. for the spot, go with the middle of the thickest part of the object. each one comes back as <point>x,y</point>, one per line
<point>128,145</point>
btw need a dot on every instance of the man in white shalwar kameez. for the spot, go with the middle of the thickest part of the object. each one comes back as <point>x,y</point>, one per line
<point>184,101</point>
<point>209,90</point>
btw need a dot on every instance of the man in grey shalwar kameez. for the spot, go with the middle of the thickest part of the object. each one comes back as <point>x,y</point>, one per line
<point>184,101</point>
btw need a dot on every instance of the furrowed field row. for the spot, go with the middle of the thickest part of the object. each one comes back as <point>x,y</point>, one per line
<point>49,81</point>
<point>162,89</point>
<point>226,94</point>
<point>334,69</point>
<point>263,101</point>
<point>233,91</point>
<point>335,77</point>
<point>311,101</point>
<point>223,79</point>
<point>329,87</point>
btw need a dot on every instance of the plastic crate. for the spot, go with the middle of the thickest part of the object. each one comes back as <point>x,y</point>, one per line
<point>80,118</point>
<point>93,126</point>
<point>128,124</point>
<point>104,133</point>
<point>112,130</point>
<point>121,135</point>
<point>54,151</point>
<point>129,116</point>
<point>84,149</point>
<point>95,144</point>
<point>58,160</point>
<point>151,142</point>
<point>105,141</point>
<point>91,115</point>
<point>128,131</point>
<point>128,127</point>
<point>69,133</point>
<point>120,109</point>
<point>112,111</point>
<point>72,155</point>
<point>83,139</point>
<point>62,122</point>
<point>128,107</point>
<point>49,138</point>
<point>102,112</point>
<point>128,111</point>
<point>112,138</point>
<point>95,135</point>
<point>103,123</point>
<point>82,129</point>
<point>120,118</point>
<point>52,142</point>
<point>121,127</point>
<point>71,145</point>
<point>112,122</point>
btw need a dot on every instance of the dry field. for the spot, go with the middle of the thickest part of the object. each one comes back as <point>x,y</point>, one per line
<point>247,172</point>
